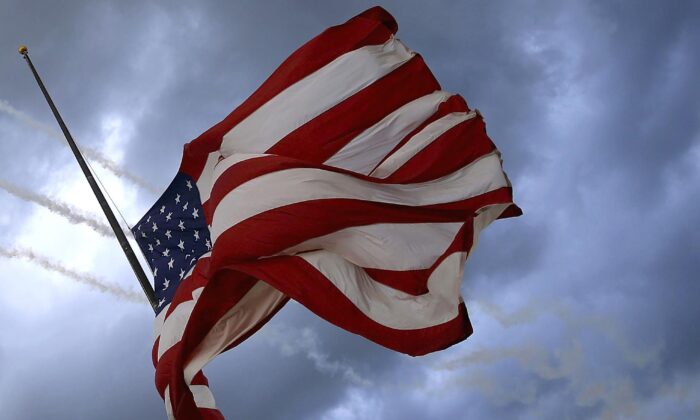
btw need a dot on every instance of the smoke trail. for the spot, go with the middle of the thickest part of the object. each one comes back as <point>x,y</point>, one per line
<point>634,354</point>
<point>291,341</point>
<point>73,215</point>
<point>89,152</point>
<point>565,362</point>
<point>84,278</point>
<point>525,314</point>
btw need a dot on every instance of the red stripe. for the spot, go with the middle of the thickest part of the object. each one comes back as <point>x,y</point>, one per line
<point>200,379</point>
<point>206,413</point>
<point>454,103</point>
<point>244,171</point>
<point>182,399</point>
<point>197,279</point>
<point>322,137</point>
<point>415,282</point>
<point>231,286</point>
<point>372,27</point>
<point>165,368</point>
<point>454,149</point>
<point>154,352</point>
<point>512,211</point>
<point>170,368</point>
<point>273,231</point>
<point>303,283</point>
<point>223,291</point>
<point>210,414</point>
<point>164,365</point>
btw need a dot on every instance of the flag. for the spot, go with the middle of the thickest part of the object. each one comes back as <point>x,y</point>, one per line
<point>349,182</point>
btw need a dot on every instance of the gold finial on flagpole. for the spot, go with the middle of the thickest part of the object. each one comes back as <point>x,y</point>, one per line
<point>22,49</point>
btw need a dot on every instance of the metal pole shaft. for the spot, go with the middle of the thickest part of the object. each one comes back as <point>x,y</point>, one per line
<point>121,237</point>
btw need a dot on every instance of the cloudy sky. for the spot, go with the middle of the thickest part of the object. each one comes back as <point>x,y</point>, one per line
<point>585,307</point>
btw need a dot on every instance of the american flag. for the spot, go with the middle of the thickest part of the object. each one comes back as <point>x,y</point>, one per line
<point>349,182</point>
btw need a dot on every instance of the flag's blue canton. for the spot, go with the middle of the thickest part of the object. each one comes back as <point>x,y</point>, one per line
<point>172,236</point>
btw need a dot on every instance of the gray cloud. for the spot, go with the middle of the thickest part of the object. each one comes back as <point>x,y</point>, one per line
<point>88,152</point>
<point>292,341</point>
<point>591,310</point>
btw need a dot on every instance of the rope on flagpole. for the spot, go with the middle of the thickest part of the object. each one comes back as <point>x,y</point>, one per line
<point>109,196</point>
<point>116,207</point>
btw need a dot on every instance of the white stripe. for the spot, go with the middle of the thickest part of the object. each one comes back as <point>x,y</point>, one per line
<point>175,323</point>
<point>257,304</point>
<point>391,307</point>
<point>158,322</point>
<point>174,326</point>
<point>222,166</point>
<point>485,216</point>
<point>311,96</point>
<point>388,246</point>
<point>297,185</point>
<point>160,319</point>
<point>366,150</point>
<point>203,398</point>
<point>205,179</point>
<point>420,141</point>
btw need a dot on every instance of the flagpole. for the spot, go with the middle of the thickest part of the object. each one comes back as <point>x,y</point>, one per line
<point>123,242</point>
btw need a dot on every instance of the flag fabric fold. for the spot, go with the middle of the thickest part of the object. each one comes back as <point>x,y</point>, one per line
<point>349,182</point>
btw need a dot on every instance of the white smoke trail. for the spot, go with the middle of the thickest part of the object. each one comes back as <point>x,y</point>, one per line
<point>71,213</point>
<point>531,357</point>
<point>634,354</point>
<point>291,341</point>
<point>84,278</point>
<point>88,152</point>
